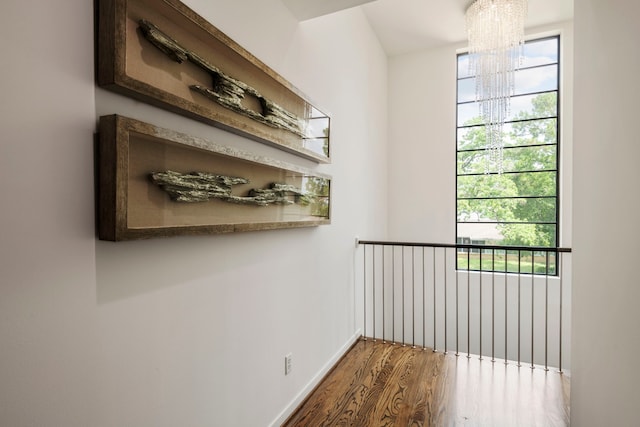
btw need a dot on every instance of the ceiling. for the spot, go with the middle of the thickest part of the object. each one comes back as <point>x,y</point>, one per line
<point>307,9</point>
<point>408,25</point>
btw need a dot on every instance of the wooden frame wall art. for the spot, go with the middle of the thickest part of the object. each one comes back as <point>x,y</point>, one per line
<point>155,182</point>
<point>163,53</point>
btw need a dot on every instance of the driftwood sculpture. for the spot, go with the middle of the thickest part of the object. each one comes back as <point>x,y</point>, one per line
<point>225,90</point>
<point>202,187</point>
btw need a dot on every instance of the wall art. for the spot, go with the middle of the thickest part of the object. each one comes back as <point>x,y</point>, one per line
<point>154,182</point>
<point>163,53</point>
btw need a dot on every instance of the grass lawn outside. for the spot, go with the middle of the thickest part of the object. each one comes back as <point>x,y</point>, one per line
<point>509,261</point>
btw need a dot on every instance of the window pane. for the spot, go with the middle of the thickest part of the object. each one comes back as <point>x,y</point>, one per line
<point>507,210</point>
<point>542,235</point>
<point>538,79</point>
<point>506,185</point>
<point>486,186</point>
<point>467,90</point>
<point>534,106</point>
<point>527,158</point>
<point>463,66</point>
<point>470,138</point>
<point>529,80</point>
<point>542,131</point>
<point>480,233</point>
<point>469,114</point>
<point>522,107</point>
<point>532,158</point>
<point>540,52</point>
<point>534,53</point>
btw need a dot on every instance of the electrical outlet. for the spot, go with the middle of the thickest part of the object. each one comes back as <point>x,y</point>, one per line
<point>288,360</point>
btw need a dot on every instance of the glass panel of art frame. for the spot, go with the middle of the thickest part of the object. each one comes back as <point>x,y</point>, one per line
<point>163,53</point>
<point>155,182</point>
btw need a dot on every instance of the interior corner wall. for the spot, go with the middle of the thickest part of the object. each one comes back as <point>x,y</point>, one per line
<point>606,344</point>
<point>186,331</point>
<point>422,140</point>
<point>422,114</point>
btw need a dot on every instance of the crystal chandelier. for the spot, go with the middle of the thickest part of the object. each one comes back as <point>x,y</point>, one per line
<point>496,34</point>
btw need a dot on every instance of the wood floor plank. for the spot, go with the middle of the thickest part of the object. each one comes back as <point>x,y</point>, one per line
<point>382,384</point>
<point>351,380</point>
<point>346,409</point>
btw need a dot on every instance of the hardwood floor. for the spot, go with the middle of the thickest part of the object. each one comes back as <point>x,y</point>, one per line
<point>381,384</point>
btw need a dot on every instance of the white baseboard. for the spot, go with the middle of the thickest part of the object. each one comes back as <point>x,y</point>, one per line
<point>293,405</point>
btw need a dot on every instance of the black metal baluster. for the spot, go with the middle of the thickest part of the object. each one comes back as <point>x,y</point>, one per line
<point>413,298</point>
<point>480,322</point>
<point>493,303</point>
<point>457,305</point>
<point>435,345</point>
<point>533,263</point>
<point>393,294</point>
<point>468,302</point>
<point>546,311</point>
<point>364,307</point>
<point>506,312</point>
<point>560,273</point>
<point>424,304</point>
<point>384,288</point>
<point>519,304</point>
<point>404,342</point>
<point>445,300</point>
<point>373,293</point>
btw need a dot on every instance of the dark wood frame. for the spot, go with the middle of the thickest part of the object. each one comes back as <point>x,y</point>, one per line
<point>116,133</point>
<point>123,49</point>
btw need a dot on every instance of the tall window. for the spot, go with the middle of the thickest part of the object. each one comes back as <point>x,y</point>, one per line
<point>518,207</point>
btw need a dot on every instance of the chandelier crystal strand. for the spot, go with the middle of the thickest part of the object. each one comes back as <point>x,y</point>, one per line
<point>495,30</point>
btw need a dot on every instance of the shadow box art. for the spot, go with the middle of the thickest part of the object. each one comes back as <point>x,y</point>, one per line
<point>155,182</point>
<point>163,53</point>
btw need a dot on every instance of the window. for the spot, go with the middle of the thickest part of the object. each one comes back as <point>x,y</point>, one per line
<point>519,207</point>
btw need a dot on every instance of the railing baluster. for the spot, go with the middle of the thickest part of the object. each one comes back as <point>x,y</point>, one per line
<point>457,305</point>
<point>480,322</point>
<point>373,293</point>
<point>493,302</point>
<point>533,263</point>
<point>364,292</point>
<point>413,298</point>
<point>424,304</point>
<point>519,304</point>
<point>404,342</point>
<point>546,312</point>
<point>468,302</point>
<point>435,341</point>
<point>560,273</point>
<point>384,288</point>
<point>393,294</point>
<point>445,300</point>
<point>506,305</point>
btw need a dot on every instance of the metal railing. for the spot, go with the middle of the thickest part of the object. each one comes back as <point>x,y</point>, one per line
<point>503,302</point>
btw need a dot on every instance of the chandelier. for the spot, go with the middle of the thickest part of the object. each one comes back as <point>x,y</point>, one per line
<point>495,29</point>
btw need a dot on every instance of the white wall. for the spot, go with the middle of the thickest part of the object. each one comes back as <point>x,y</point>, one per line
<point>606,201</point>
<point>181,331</point>
<point>422,114</point>
<point>422,156</point>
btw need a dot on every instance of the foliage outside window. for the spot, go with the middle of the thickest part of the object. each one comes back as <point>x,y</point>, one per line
<point>518,207</point>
